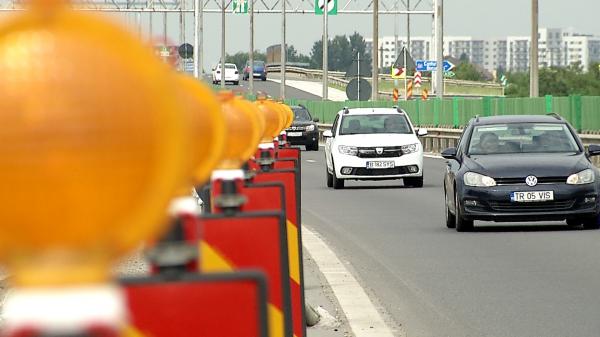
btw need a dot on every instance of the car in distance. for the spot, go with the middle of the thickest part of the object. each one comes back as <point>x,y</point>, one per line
<point>304,129</point>
<point>373,144</point>
<point>260,70</point>
<point>520,168</point>
<point>231,74</point>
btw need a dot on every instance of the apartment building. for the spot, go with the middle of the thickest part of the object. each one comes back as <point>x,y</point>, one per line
<point>557,47</point>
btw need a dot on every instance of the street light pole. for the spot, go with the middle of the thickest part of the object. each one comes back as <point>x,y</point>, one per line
<point>325,52</point>
<point>439,46</point>
<point>251,52</point>
<point>375,80</point>
<point>223,44</point>
<point>283,52</point>
<point>534,67</point>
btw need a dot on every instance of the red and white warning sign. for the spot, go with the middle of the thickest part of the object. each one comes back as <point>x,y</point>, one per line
<point>398,72</point>
<point>418,79</point>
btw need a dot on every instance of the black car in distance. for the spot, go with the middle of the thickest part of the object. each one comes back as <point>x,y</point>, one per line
<point>304,129</point>
<point>521,169</point>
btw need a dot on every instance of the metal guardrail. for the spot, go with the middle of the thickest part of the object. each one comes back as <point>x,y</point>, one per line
<point>337,77</point>
<point>439,139</point>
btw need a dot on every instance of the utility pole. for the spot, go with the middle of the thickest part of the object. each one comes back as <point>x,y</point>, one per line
<point>439,46</point>
<point>534,67</point>
<point>283,51</point>
<point>408,26</point>
<point>251,52</point>
<point>198,38</point>
<point>375,80</point>
<point>223,44</point>
<point>325,51</point>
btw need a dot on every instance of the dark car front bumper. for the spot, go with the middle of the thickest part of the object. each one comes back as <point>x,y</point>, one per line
<point>494,203</point>
<point>306,138</point>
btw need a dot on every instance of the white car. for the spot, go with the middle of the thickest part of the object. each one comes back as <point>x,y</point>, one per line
<point>373,144</point>
<point>231,74</point>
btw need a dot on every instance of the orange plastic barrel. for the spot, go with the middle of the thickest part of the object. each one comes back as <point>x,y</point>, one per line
<point>274,119</point>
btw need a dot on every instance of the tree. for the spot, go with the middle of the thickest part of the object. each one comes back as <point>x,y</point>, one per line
<point>342,52</point>
<point>240,58</point>
<point>468,72</point>
<point>294,56</point>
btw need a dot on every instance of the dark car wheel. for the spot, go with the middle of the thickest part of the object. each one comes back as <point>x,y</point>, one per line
<point>450,218</point>
<point>263,78</point>
<point>338,184</point>
<point>462,225</point>
<point>329,177</point>
<point>413,182</point>
<point>313,147</point>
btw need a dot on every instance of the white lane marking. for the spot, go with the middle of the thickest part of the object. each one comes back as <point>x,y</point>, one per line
<point>363,318</point>
<point>311,161</point>
<point>434,156</point>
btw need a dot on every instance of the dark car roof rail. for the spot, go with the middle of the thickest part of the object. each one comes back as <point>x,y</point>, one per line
<point>555,115</point>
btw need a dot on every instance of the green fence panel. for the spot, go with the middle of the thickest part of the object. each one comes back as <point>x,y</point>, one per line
<point>562,106</point>
<point>590,113</point>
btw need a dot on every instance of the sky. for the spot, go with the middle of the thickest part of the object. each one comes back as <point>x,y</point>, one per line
<point>477,18</point>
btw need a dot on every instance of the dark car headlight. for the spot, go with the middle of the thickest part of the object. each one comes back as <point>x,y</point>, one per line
<point>478,180</point>
<point>586,176</point>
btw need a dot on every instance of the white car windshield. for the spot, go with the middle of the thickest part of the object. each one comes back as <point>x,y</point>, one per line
<point>522,138</point>
<point>374,124</point>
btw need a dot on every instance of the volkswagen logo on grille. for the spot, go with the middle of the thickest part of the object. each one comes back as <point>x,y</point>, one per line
<point>531,181</point>
<point>379,150</point>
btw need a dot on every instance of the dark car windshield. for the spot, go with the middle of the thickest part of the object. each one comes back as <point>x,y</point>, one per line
<point>257,64</point>
<point>301,114</point>
<point>522,138</point>
<point>370,124</point>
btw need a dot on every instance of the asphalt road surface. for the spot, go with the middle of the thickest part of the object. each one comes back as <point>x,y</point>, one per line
<point>508,280</point>
<point>271,89</point>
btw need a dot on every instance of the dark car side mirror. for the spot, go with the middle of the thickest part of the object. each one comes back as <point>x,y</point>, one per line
<point>593,150</point>
<point>449,153</point>
<point>316,120</point>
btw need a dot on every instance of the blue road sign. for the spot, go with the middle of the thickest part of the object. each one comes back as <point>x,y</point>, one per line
<point>424,65</point>
<point>448,66</point>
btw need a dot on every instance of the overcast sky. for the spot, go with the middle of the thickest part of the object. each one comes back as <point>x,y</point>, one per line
<point>478,18</point>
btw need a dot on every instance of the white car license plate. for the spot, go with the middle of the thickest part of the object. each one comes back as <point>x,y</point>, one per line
<point>380,164</point>
<point>294,134</point>
<point>535,196</point>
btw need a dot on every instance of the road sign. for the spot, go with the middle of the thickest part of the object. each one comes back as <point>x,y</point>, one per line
<point>398,72</point>
<point>448,66</point>
<point>395,95</point>
<point>186,51</point>
<point>331,7</point>
<point>424,94</point>
<point>503,80</point>
<point>409,90</point>
<point>240,6</point>
<point>449,74</point>
<point>425,65</point>
<point>418,79</point>
<point>353,92</point>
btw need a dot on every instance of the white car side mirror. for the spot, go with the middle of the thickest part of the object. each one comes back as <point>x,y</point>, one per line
<point>327,134</point>
<point>422,132</point>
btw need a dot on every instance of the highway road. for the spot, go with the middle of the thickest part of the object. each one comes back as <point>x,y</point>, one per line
<point>272,89</point>
<point>509,280</point>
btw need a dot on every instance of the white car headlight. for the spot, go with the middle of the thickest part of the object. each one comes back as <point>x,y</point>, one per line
<point>310,128</point>
<point>584,177</point>
<point>411,148</point>
<point>349,150</point>
<point>478,180</point>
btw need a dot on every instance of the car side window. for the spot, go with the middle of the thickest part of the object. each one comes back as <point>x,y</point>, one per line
<point>461,140</point>
<point>335,125</point>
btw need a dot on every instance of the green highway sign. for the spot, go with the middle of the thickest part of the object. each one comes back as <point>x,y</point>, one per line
<point>331,6</point>
<point>449,74</point>
<point>240,6</point>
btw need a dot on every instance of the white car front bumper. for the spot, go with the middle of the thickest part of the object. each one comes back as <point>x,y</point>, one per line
<point>408,165</point>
